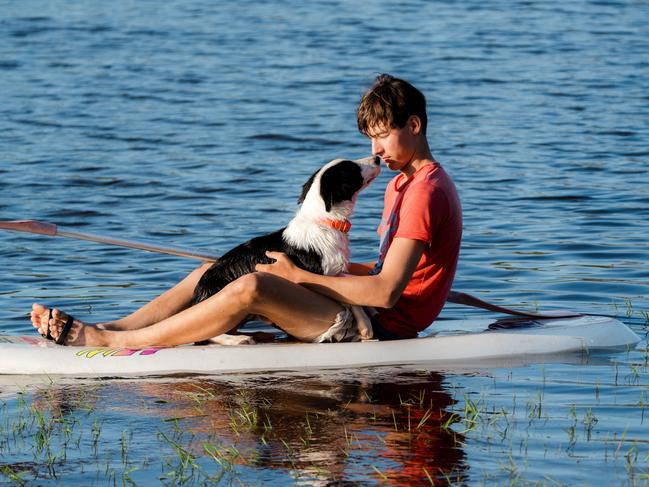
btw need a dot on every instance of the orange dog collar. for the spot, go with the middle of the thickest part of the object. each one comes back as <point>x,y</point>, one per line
<point>341,225</point>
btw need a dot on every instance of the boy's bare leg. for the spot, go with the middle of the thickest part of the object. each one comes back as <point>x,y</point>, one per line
<point>297,310</point>
<point>167,304</point>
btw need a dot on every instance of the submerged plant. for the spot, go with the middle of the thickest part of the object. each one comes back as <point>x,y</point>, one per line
<point>185,467</point>
<point>13,476</point>
<point>589,422</point>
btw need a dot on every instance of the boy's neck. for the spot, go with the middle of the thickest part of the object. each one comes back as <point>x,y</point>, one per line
<point>421,157</point>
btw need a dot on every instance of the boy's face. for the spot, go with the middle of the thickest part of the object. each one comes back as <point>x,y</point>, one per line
<point>396,146</point>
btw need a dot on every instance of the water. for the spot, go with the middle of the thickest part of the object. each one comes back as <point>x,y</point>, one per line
<point>195,123</point>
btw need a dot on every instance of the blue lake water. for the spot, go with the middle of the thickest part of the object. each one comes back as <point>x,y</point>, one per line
<point>195,124</point>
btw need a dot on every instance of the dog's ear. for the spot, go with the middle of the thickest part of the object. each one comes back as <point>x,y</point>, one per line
<point>306,188</point>
<point>340,183</point>
<point>328,199</point>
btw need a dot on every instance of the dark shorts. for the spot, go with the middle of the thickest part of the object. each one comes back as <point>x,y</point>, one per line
<point>381,333</point>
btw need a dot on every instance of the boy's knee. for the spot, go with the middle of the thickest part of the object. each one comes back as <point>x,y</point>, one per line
<point>248,288</point>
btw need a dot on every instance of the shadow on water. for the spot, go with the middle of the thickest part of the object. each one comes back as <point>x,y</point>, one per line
<point>393,427</point>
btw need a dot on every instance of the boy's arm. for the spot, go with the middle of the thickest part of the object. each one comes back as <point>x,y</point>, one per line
<point>381,290</point>
<point>360,268</point>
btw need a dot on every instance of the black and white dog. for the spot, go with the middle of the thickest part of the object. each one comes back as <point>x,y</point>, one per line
<point>315,239</point>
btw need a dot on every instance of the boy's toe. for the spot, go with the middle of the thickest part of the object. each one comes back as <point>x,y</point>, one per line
<point>40,317</point>
<point>59,317</point>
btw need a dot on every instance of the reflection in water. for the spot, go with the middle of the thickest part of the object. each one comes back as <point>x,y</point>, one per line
<point>394,428</point>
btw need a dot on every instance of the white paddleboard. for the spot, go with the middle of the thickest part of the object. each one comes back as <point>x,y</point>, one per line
<point>450,341</point>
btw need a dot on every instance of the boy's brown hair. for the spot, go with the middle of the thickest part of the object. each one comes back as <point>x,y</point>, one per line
<point>389,103</point>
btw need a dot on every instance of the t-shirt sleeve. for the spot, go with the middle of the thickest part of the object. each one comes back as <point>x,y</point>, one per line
<point>422,212</point>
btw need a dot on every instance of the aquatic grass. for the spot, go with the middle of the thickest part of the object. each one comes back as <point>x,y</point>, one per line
<point>430,479</point>
<point>472,412</point>
<point>645,316</point>
<point>199,396</point>
<point>633,378</point>
<point>380,474</point>
<point>589,423</point>
<point>290,454</point>
<point>451,419</point>
<point>224,456</point>
<point>349,440</point>
<point>642,404</point>
<point>572,429</point>
<point>126,476</point>
<point>182,468</point>
<point>55,439</point>
<point>125,441</point>
<point>96,433</point>
<point>244,413</point>
<point>13,476</point>
<point>494,418</point>
<point>248,415</point>
<point>427,415</point>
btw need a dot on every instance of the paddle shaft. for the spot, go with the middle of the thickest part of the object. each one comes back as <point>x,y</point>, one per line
<point>464,299</point>
<point>52,230</point>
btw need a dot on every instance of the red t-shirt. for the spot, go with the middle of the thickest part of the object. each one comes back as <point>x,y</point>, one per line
<point>430,211</point>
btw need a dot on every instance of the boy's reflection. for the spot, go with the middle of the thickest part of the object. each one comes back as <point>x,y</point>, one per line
<point>326,429</point>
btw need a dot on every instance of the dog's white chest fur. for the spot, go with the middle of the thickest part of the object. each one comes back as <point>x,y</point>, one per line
<point>331,244</point>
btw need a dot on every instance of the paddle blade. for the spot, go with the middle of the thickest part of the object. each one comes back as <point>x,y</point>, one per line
<point>29,226</point>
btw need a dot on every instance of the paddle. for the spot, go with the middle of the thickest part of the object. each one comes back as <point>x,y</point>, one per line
<point>464,299</point>
<point>52,230</point>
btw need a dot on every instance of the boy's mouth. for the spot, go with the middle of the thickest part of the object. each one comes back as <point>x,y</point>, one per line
<point>389,162</point>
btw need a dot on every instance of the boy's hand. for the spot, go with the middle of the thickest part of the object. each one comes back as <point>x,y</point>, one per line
<point>282,267</point>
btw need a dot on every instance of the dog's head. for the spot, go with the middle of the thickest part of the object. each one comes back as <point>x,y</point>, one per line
<point>335,187</point>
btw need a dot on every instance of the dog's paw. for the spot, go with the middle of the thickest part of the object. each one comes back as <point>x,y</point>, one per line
<point>233,340</point>
<point>363,323</point>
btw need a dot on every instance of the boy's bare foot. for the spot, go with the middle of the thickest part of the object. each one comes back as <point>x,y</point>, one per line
<point>79,333</point>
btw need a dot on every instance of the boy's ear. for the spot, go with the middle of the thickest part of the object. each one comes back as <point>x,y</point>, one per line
<point>414,123</point>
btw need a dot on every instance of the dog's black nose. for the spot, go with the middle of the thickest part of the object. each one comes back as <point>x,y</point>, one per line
<point>377,160</point>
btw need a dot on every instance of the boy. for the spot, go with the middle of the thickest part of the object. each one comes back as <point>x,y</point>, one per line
<point>408,285</point>
<point>421,226</point>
